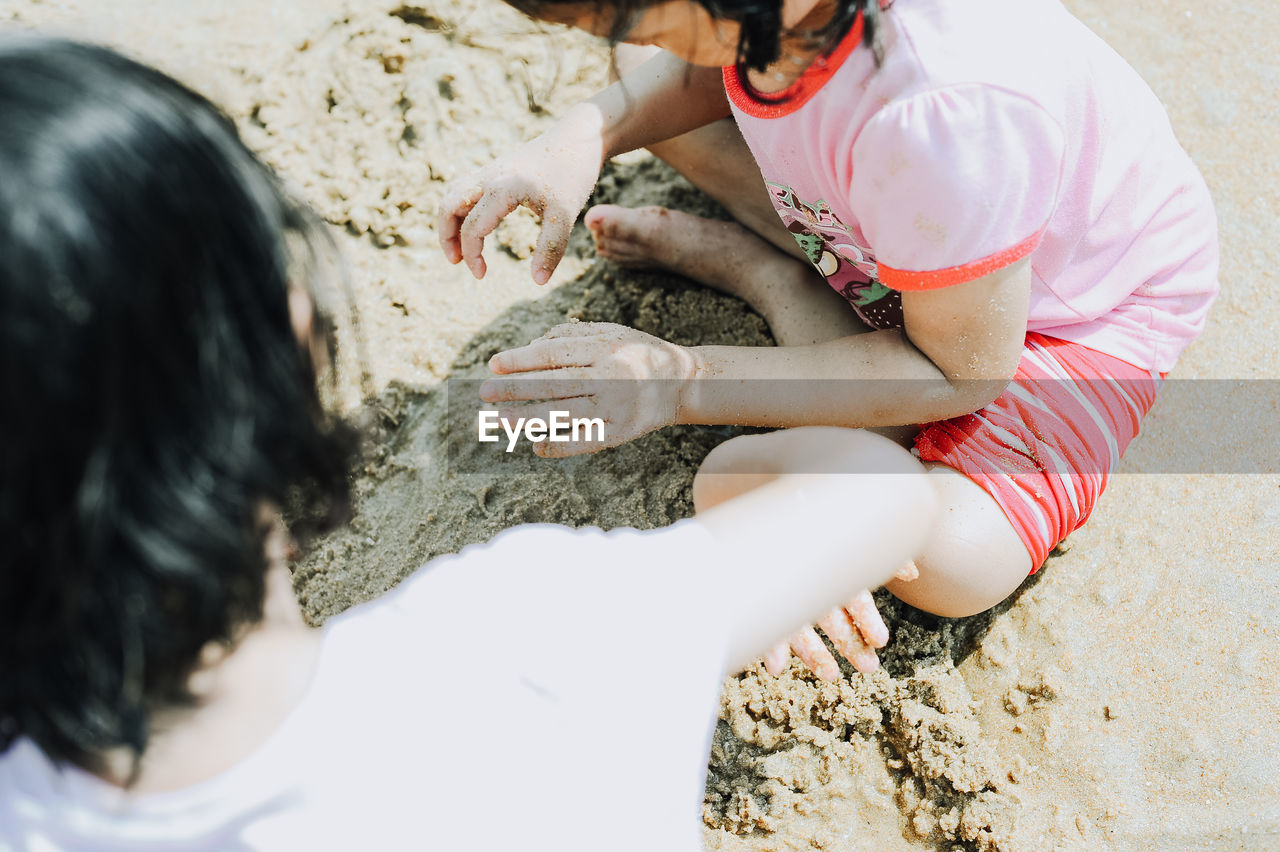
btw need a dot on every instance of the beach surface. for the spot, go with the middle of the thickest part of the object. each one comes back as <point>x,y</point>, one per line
<point>1126,698</point>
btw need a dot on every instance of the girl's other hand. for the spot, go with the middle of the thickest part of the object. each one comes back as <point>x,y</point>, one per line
<point>552,175</point>
<point>856,630</point>
<point>632,381</point>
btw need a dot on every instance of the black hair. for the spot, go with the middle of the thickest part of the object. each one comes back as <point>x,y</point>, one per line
<point>761,29</point>
<point>153,393</point>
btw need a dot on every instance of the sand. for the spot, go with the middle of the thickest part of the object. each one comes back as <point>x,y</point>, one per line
<point>1124,699</point>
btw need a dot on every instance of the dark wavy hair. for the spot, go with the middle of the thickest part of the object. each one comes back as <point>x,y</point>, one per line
<point>761,33</point>
<point>155,395</point>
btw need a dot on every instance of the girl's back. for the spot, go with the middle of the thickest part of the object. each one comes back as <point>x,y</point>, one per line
<point>455,713</point>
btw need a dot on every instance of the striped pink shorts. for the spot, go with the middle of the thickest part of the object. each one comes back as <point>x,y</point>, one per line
<point>1044,449</point>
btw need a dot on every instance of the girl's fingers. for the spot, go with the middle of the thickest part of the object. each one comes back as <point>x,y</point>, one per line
<point>862,611</point>
<point>449,244</point>
<point>564,383</point>
<point>544,354</point>
<point>580,329</point>
<point>842,633</point>
<point>907,572</point>
<point>808,646</point>
<point>777,658</point>
<point>454,208</point>
<point>480,222</point>
<point>553,238</point>
<point>865,660</point>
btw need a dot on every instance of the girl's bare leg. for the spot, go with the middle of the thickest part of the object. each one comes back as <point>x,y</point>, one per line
<point>753,257</point>
<point>790,294</point>
<point>974,558</point>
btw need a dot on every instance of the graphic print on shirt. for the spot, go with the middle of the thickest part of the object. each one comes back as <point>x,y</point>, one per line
<point>829,244</point>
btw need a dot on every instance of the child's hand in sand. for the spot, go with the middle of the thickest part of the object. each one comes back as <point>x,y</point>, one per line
<point>552,175</point>
<point>855,629</point>
<point>630,380</point>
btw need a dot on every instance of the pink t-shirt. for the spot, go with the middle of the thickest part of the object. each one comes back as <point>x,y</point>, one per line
<point>993,130</point>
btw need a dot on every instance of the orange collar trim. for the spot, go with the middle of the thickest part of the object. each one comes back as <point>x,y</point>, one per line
<point>790,99</point>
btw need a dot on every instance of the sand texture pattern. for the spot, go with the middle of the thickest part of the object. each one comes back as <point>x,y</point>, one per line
<point>1124,699</point>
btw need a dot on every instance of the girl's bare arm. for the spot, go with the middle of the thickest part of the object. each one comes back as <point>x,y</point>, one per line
<point>960,347</point>
<point>661,99</point>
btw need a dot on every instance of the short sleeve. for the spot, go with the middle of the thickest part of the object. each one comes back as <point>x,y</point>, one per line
<point>953,184</point>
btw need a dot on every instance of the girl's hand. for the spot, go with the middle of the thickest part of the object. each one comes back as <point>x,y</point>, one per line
<point>855,629</point>
<point>552,175</point>
<point>630,380</point>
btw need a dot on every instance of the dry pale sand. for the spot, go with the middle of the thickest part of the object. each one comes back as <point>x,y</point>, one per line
<point>1125,699</point>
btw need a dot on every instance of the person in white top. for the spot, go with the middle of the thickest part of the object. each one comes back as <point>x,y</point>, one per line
<point>158,687</point>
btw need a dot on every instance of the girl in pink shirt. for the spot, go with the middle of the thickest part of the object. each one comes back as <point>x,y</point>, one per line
<point>991,244</point>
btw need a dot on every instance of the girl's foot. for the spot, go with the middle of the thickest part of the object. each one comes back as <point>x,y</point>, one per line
<point>723,255</point>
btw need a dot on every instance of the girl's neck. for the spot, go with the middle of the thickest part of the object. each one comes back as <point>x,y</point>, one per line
<point>242,695</point>
<point>797,52</point>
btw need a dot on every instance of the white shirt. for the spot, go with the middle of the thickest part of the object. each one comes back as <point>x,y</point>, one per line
<point>551,689</point>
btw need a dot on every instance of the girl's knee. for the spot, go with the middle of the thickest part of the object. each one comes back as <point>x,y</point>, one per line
<point>735,467</point>
<point>974,559</point>
<point>750,461</point>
